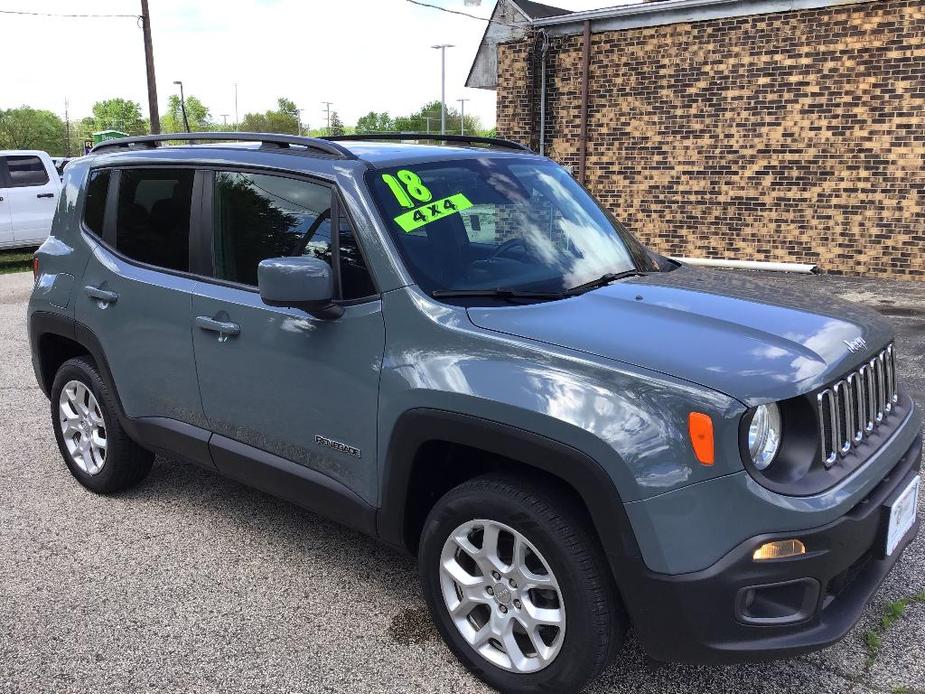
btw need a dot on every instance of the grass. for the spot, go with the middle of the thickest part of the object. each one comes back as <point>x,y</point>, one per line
<point>891,614</point>
<point>19,260</point>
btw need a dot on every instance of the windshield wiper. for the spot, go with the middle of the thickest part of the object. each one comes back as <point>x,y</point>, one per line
<point>603,281</point>
<point>495,294</point>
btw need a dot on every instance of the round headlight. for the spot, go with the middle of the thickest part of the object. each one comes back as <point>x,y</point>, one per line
<point>764,435</point>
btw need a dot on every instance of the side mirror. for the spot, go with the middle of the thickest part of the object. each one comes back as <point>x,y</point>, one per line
<point>305,283</point>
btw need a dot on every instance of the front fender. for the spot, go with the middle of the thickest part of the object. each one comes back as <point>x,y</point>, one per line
<point>418,426</point>
<point>632,422</point>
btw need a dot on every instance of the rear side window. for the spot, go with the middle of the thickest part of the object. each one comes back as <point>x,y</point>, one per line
<point>95,206</point>
<point>153,219</point>
<point>258,216</point>
<point>26,171</point>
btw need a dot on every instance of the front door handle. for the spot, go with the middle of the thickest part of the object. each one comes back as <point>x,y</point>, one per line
<point>225,329</point>
<point>45,195</point>
<point>103,297</point>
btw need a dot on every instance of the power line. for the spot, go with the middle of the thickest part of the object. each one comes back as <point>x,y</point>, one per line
<point>444,9</point>
<point>69,16</point>
<point>464,14</point>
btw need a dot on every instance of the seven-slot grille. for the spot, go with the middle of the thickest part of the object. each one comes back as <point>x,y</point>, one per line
<point>851,409</point>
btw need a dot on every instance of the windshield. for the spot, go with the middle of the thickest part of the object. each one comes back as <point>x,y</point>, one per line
<point>493,223</point>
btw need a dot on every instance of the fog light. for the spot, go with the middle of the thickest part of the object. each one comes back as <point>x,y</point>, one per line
<point>780,549</point>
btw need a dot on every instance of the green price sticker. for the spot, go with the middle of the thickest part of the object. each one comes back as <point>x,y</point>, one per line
<point>431,212</point>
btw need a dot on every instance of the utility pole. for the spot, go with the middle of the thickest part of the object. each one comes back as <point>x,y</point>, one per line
<point>153,115</point>
<point>183,106</point>
<point>67,131</point>
<point>442,48</point>
<point>237,121</point>
<point>225,119</point>
<point>462,116</point>
<point>327,108</point>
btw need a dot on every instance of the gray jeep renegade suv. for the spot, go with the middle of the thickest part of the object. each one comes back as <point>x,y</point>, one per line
<point>455,349</point>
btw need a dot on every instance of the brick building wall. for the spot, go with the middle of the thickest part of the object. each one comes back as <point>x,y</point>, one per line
<point>796,136</point>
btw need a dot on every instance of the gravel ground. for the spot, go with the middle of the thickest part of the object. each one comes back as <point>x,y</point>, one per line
<point>194,583</point>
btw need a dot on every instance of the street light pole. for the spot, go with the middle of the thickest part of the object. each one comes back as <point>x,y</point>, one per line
<point>183,106</point>
<point>442,48</point>
<point>462,116</point>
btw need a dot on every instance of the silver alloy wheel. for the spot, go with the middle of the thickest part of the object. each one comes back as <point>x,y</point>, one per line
<point>502,596</point>
<point>82,427</point>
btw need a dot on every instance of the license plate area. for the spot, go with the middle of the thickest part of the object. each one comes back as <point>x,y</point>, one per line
<point>901,515</point>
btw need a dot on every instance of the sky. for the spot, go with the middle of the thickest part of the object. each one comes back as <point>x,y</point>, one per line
<point>362,55</point>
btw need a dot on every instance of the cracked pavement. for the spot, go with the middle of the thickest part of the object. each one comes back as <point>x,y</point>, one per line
<point>191,582</point>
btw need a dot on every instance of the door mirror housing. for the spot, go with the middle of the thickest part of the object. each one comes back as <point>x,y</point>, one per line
<point>299,282</point>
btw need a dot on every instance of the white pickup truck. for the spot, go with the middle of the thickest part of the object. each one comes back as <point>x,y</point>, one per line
<point>29,189</point>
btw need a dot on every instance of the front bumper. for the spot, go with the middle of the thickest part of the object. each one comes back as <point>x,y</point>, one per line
<point>705,616</point>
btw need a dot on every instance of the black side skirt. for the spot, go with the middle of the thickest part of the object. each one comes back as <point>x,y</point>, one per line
<point>269,473</point>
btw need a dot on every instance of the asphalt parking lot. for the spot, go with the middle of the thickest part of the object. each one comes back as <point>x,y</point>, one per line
<point>194,583</point>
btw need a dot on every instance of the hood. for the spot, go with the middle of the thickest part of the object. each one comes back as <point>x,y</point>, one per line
<point>734,334</point>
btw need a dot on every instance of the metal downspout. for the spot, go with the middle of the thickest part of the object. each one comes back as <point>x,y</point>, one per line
<point>544,50</point>
<point>585,68</point>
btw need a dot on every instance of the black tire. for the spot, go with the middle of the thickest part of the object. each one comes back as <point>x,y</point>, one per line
<point>595,625</point>
<point>126,463</point>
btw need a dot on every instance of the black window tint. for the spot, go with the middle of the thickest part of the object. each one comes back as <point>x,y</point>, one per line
<point>355,280</point>
<point>95,206</point>
<point>26,171</point>
<point>154,216</point>
<point>259,216</point>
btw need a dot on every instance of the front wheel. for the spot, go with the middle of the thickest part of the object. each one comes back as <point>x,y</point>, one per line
<point>519,589</point>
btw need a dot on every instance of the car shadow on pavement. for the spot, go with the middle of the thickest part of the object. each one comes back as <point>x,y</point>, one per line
<point>282,528</point>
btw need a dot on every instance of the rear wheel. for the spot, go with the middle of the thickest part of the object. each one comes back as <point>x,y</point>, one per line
<point>95,447</point>
<point>518,587</point>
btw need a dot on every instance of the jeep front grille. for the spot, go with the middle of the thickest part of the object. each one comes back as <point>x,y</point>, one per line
<point>851,409</point>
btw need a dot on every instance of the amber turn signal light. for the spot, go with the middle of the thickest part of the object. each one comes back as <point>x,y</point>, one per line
<point>700,427</point>
<point>780,549</point>
<point>35,268</point>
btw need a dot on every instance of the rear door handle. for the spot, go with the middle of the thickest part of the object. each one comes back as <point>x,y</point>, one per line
<point>225,329</point>
<point>45,195</point>
<point>103,297</point>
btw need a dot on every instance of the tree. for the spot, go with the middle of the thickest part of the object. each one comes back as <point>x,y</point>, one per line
<point>337,127</point>
<point>374,122</point>
<point>285,119</point>
<point>118,114</point>
<point>196,112</point>
<point>287,107</point>
<point>29,128</point>
<point>427,119</point>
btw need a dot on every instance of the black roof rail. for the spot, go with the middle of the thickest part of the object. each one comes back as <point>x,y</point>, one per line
<point>271,139</point>
<point>467,139</point>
